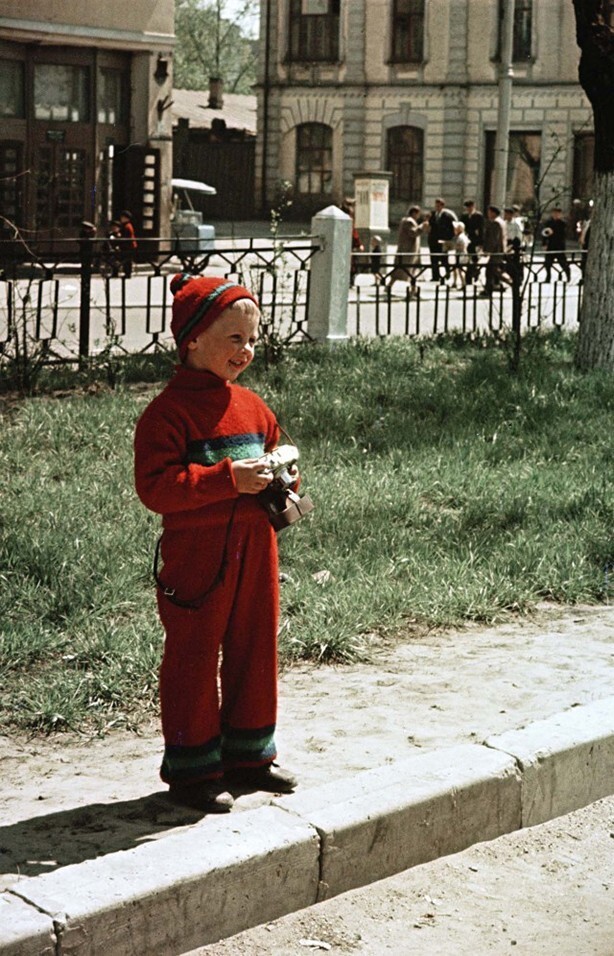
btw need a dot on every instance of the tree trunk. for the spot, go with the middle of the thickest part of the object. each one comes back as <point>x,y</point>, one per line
<point>596,339</point>
<point>596,72</point>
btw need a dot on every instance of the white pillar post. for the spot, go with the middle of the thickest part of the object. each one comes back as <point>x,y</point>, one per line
<point>330,276</point>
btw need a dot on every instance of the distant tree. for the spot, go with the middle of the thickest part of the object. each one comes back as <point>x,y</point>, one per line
<point>211,43</point>
<point>595,36</point>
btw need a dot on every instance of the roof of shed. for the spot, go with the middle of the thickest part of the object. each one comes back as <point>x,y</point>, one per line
<point>238,112</point>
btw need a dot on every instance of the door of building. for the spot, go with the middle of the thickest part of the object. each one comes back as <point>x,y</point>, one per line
<point>136,184</point>
<point>60,187</point>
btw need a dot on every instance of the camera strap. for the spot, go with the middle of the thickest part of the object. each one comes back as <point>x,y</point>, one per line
<point>284,432</point>
<point>171,593</point>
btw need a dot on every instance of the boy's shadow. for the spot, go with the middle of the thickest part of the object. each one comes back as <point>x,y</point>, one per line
<point>43,844</point>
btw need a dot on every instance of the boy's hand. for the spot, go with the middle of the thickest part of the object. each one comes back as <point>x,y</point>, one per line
<point>250,476</point>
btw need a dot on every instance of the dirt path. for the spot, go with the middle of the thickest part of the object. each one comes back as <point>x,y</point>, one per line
<point>66,799</point>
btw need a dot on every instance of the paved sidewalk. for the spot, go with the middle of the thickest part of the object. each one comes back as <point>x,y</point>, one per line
<point>88,838</point>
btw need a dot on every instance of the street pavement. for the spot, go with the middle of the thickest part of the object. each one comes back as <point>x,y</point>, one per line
<point>544,891</point>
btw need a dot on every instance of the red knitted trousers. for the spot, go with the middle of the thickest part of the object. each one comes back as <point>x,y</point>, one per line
<point>218,678</point>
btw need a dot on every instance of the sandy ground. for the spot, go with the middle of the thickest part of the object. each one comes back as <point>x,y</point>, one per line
<point>546,891</point>
<point>66,799</point>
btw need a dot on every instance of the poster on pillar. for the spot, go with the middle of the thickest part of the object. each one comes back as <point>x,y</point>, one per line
<point>371,198</point>
<point>314,8</point>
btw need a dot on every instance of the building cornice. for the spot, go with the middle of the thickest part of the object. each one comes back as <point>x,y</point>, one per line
<point>62,34</point>
<point>417,85</point>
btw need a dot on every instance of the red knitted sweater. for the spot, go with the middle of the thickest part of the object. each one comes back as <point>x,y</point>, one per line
<point>185,441</point>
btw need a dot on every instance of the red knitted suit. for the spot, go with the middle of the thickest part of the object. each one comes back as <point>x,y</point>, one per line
<point>214,716</point>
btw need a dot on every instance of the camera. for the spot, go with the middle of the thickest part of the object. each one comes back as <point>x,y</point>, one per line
<point>282,504</point>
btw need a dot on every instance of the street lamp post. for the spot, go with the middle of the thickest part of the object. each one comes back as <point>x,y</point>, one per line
<point>506,78</point>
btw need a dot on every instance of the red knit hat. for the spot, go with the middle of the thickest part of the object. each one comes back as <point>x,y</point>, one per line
<point>197,303</point>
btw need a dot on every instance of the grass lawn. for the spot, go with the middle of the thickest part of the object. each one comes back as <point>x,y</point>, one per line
<point>446,490</point>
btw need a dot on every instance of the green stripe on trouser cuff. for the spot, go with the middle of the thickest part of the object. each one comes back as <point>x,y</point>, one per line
<point>251,747</point>
<point>192,763</point>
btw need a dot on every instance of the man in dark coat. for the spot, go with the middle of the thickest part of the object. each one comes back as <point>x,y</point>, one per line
<point>441,238</point>
<point>474,227</point>
<point>554,240</point>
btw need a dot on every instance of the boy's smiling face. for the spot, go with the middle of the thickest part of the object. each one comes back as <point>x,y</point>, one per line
<point>227,347</point>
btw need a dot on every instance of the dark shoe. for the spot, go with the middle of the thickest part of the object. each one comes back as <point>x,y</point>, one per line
<point>206,795</point>
<point>271,778</point>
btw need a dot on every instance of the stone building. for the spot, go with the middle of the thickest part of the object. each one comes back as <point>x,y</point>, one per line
<point>85,91</point>
<point>411,86</point>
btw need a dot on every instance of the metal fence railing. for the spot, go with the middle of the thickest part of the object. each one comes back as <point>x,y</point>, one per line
<point>73,299</point>
<point>466,297</point>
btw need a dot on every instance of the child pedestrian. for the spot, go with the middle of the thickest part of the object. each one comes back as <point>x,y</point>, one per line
<point>461,256</point>
<point>376,259</point>
<point>197,446</point>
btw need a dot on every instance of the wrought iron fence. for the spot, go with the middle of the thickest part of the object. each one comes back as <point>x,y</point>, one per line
<point>72,300</point>
<point>435,295</point>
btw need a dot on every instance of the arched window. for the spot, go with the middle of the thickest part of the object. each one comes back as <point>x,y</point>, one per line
<point>314,159</point>
<point>406,161</point>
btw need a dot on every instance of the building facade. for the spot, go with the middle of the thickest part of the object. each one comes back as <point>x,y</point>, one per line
<point>85,125</point>
<point>411,87</point>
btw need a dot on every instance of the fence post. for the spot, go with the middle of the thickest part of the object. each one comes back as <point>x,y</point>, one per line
<point>329,285</point>
<point>86,249</point>
<point>516,305</point>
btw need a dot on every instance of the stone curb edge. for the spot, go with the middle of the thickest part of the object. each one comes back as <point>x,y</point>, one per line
<point>193,888</point>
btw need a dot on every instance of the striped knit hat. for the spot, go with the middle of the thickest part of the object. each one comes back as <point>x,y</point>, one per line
<point>198,302</point>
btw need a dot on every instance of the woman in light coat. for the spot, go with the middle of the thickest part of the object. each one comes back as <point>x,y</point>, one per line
<point>407,259</point>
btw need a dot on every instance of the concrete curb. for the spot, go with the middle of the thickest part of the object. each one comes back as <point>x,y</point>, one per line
<point>236,871</point>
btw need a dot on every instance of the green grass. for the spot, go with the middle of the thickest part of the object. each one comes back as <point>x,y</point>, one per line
<point>446,490</point>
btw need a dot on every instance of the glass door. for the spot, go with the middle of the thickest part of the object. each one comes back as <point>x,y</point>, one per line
<point>60,189</point>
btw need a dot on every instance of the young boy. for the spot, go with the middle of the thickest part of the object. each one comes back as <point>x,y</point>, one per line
<point>376,259</point>
<point>197,447</point>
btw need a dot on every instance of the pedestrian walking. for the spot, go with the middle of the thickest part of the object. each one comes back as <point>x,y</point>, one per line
<point>494,246</point>
<point>407,259</point>
<point>473,220</point>
<point>129,244</point>
<point>461,256</point>
<point>376,259</point>
<point>553,233</point>
<point>441,238</point>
